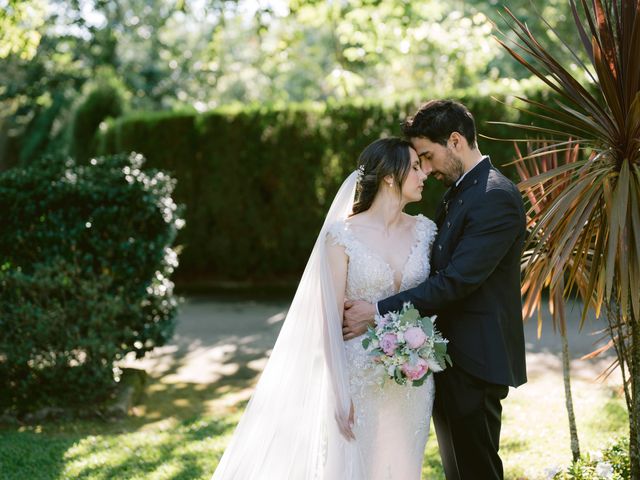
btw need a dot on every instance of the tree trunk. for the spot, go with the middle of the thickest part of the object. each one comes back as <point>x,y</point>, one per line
<point>561,321</point>
<point>566,374</point>
<point>634,407</point>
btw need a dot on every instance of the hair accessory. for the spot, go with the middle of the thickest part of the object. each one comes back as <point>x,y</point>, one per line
<point>360,171</point>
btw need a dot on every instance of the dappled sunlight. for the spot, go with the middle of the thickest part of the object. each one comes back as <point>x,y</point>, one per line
<point>535,424</point>
<point>215,358</point>
<point>201,383</point>
<point>223,365</point>
<point>175,452</point>
<point>214,342</point>
<point>198,387</point>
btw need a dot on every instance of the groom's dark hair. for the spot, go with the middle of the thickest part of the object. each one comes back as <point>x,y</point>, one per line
<point>438,119</point>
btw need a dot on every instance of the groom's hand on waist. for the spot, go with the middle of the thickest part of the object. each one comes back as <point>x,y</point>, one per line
<point>357,316</point>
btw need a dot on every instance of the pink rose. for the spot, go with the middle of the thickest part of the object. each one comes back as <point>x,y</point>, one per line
<point>417,371</point>
<point>415,337</point>
<point>389,343</point>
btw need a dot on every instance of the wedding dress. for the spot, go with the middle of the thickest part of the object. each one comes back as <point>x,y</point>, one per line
<point>391,421</point>
<point>289,429</point>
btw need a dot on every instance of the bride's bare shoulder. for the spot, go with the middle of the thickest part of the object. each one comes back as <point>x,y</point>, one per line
<point>358,220</point>
<point>419,218</point>
<point>412,220</point>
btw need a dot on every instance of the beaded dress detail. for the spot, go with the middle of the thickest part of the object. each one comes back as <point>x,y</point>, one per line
<point>391,421</point>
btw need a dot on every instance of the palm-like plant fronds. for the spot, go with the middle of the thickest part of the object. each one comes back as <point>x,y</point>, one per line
<point>585,226</point>
<point>540,160</point>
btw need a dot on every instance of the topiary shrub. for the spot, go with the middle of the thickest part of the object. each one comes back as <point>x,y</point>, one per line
<point>84,276</point>
<point>104,99</point>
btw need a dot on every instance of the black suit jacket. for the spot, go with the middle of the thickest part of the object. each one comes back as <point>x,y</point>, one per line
<point>474,286</point>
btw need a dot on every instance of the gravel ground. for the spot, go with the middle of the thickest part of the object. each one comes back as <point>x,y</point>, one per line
<point>214,338</point>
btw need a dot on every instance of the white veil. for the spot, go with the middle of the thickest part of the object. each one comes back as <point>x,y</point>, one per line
<point>288,430</point>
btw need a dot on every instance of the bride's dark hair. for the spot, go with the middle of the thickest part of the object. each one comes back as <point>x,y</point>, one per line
<point>386,156</point>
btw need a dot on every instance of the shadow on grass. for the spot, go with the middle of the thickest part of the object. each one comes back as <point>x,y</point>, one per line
<point>184,451</point>
<point>25,455</point>
<point>171,434</point>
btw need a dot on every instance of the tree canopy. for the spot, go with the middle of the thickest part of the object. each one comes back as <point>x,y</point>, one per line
<point>204,54</point>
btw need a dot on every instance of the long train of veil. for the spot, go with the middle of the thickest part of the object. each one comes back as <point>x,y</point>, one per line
<point>288,430</point>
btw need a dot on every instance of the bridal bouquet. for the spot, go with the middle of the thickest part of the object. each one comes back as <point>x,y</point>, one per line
<point>408,346</point>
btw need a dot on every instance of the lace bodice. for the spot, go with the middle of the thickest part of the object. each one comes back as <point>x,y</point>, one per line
<point>369,277</point>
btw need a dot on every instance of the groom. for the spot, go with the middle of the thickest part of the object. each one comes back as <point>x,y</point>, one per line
<point>474,288</point>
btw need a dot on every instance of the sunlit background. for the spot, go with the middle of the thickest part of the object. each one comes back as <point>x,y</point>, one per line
<point>257,110</point>
<point>203,54</point>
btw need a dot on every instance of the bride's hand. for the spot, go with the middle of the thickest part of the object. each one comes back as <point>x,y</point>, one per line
<point>346,424</point>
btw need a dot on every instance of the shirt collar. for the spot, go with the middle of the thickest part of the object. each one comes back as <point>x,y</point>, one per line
<point>465,173</point>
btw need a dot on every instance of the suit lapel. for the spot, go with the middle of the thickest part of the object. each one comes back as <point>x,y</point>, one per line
<point>441,211</point>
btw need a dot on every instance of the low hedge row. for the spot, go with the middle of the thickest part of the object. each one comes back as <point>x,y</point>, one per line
<point>256,182</point>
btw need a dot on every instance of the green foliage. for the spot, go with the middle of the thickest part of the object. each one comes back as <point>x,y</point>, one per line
<point>204,54</point>
<point>612,464</point>
<point>585,236</point>
<point>315,50</point>
<point>258,181</point>
<point>104,99</point>
<point>84,276</point>
<point>19,25</point>
<point>59,328</point>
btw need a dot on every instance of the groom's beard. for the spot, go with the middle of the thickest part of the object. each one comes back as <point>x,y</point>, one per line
<point>454,169</point>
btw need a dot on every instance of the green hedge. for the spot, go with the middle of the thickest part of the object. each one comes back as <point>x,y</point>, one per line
<point>103,101</point>
<point>257,181</point>
<point>84,276</point>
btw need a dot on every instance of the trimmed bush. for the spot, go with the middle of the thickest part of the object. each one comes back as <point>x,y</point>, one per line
<point>257,181</point>
<point>84,276</point>
<point>104,100</point>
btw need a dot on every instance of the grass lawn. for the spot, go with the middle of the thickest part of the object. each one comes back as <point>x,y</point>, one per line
<point>182,429</point>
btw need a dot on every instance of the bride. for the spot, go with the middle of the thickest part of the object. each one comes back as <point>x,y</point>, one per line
<point>319,410</point>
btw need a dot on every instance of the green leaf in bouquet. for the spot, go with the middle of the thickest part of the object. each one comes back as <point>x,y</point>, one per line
<point>410,316</point>
<point>419,383</point>
<point>440,348</point>
<point>365,343</point>
<point>448,359</point>
<point>427,326</point>
<point>376,352</point>
<point>397,376</point>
